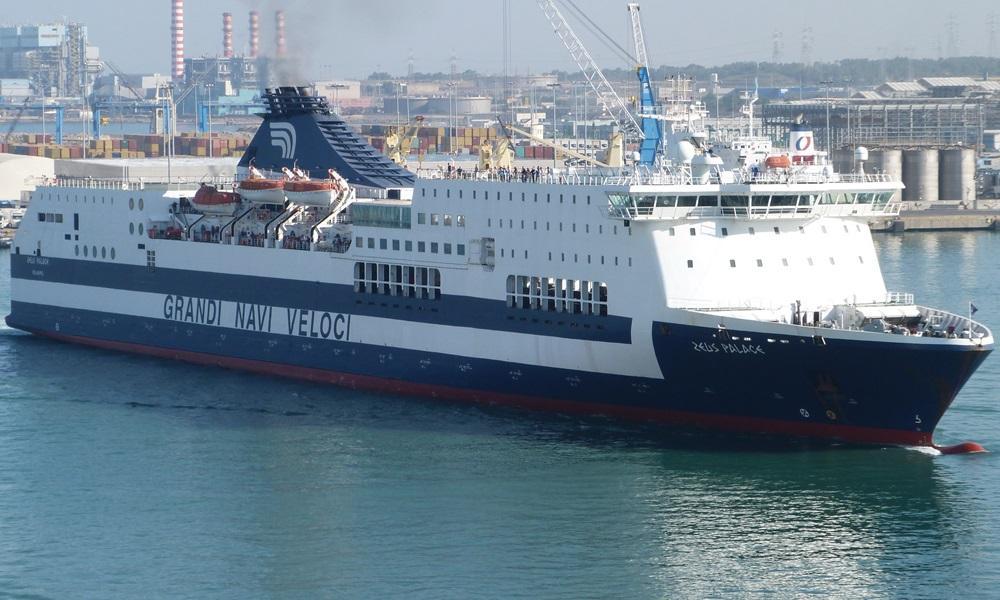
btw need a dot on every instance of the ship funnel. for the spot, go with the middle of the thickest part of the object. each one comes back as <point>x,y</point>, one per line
<point>801,141</point>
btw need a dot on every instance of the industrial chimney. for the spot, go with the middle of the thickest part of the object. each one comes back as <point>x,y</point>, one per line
<point>227,35</point>
<point>279,34</point>
<point>177,31</point>
<point>254,33</point>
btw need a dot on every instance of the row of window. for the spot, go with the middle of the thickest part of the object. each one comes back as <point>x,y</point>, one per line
<point>441,219</point>
<point>753,231</point>
<point>784,262</point>
<point>553,294</point>
<point>397,280</point>
<point>50,217</point>
<point>91,251</point>
<point>407,246</point>
<point>132,227</point>
<point>76,198</point>
<point>548,226</point>
<point>132,203</point>
<point>764,200</point>
<point>510,196</point>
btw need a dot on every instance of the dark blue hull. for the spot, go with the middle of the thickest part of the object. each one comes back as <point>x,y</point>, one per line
<point>868,392</point>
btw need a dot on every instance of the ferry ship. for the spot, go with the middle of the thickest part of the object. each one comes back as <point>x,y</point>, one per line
<point>746,299</point>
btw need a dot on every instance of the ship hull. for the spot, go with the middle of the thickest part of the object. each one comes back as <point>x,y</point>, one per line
<point>841,390</point>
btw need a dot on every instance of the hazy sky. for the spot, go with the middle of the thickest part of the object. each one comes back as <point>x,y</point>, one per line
<point>353,38</point>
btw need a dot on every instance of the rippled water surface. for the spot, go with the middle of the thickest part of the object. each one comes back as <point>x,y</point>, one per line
<point>128,477</point>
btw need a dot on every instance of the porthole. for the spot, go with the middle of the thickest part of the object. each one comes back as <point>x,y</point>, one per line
<point>77,248</point>
<point>104,252</point>
<point>112,254</point>
<point>140,228</point>
<point>131,203</point>
<point>93,250</point>
<point>85,252</point>
<point>140,203</point>
<point>131,228</point>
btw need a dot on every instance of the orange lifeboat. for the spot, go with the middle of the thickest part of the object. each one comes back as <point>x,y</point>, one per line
<point>260,190</point>
<point>301,190</point>
<point>208,199</point>
<point>781,161</point>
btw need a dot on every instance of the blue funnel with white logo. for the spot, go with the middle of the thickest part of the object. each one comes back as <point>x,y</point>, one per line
<point>299,129</point>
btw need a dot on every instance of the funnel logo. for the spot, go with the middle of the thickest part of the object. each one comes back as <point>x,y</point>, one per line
<point>804,143</point>
<point>283,136</point>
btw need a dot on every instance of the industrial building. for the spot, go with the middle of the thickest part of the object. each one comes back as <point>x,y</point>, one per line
<point>55,59</point>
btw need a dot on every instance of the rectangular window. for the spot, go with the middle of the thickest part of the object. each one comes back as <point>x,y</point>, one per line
<point>460,249</point>
<point>434,247</point>
<point>460,221</point>
<point>447,248</point>
<point>732,263</point>
<point>421,247</point>
<point>421,218</point>
<point>371,242</point>
<point>395,245</point>
<point>359,242</point>
<point>760,263</point>
<point>447,220</point>
<point>690,264</point>
<point>383,244</point>
<point>408,246</point>
<point>435,219</point>
<point>692,231</point>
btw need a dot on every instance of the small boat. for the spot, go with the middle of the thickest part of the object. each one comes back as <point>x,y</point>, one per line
<point>261,190</point>
<point>208,199</point>
<point>301,190</point>
<point>780,161</point>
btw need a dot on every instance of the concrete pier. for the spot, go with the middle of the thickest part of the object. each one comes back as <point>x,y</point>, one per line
<point>938,218</point>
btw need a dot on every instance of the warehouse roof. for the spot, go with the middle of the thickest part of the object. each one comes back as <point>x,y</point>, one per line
<point>933,82</point>
<point>903,86</point>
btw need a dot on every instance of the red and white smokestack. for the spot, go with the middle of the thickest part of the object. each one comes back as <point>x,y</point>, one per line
<point>177,31</point>
<point>254,34</point>
<point>279,34</point>
<point>227,35</point>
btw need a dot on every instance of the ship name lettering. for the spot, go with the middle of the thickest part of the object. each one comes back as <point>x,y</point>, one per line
<point>704,347</point>
<point>742,349</point>
<point>253,317</point>
<point>203,311</point>
<point>317,324</point>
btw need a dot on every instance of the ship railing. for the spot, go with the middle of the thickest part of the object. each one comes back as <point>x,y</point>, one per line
<point>131,184</point>
<point>776,177</point>
<point>945,324</point>
<point>899,298</point>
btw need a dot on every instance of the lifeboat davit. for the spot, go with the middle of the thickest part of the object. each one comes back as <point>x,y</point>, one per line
<point>208,199</point>
<point>781,161</point>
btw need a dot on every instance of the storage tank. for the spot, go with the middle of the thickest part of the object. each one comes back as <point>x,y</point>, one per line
<point>920,175</point>
<point>958,174</point>
<point>890,162</point>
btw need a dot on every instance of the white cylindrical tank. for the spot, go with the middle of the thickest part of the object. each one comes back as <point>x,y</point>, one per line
<point>920,175</point>
<point>890,162</point>
<point>958,174</point>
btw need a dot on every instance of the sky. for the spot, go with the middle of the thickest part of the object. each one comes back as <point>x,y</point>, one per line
<point>352,38</point>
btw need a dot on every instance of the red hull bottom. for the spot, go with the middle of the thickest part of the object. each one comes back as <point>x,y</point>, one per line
<point>843,433</point>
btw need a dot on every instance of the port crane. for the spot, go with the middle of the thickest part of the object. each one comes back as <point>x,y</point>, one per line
<point>399,141</point>
<point>649,131</point>
<point>652,133</point>
<point>613,156</point>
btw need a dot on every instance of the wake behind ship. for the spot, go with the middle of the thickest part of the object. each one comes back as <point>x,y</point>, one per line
<point>748,299</point>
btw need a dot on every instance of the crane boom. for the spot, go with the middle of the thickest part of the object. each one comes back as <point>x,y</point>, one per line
<point>651,128</point>
<point>606,94</point>
<point>638,36</point>
<point>507,129</point>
